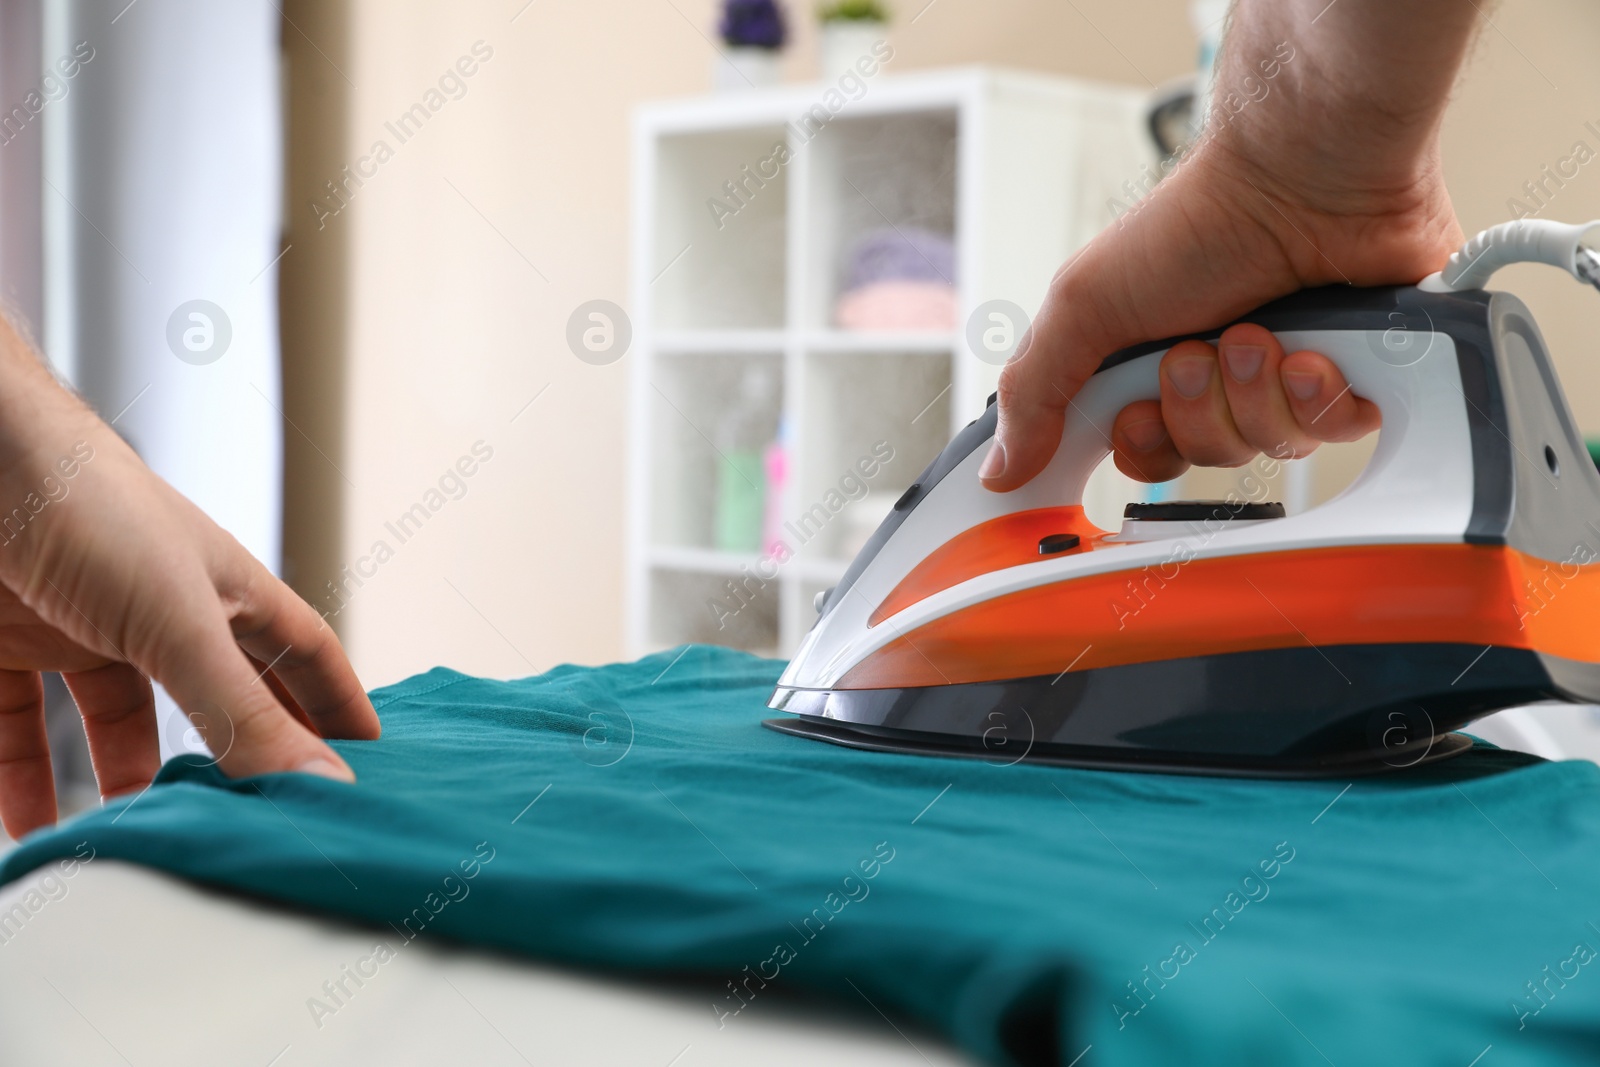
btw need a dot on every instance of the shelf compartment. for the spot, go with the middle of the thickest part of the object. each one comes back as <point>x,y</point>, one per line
<point>721,230</point>
<point>692,395</point>
<point>886,411</point>
<point>692,607</point>
<point>889,175</point>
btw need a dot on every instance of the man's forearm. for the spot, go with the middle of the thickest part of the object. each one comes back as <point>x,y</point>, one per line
<point>1357,109</point>
<point>34,408</point>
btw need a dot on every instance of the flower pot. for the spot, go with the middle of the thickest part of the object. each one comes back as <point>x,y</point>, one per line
<point>744,67</point>
<point>844,42</point>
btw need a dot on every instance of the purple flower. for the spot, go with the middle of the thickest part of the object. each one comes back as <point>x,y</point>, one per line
<point>752,23</point>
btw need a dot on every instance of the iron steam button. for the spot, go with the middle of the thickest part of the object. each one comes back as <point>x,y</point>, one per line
<point>1053,543</point>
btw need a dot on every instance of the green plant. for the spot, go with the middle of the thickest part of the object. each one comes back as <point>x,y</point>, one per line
<point>852,11</point>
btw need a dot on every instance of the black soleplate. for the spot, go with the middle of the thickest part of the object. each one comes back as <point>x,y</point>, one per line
<point>1362,764</point>
<point>1272,713</point>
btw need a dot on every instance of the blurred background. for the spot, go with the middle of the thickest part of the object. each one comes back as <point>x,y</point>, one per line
<point>506,333</point>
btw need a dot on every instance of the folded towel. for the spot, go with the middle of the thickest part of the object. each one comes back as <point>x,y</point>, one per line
<point>908,253</point>
<point>897,305</point>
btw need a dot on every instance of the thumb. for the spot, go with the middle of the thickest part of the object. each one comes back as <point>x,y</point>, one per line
<point>225,696</point>
<point>1059,352</point>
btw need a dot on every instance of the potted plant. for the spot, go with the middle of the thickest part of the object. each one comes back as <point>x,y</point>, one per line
<point>849,30</point>
<point>754,32</point>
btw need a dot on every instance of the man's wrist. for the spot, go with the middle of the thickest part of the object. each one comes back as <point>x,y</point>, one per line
<point>1340,106</point>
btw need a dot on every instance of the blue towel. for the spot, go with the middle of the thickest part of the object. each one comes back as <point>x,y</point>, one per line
<point>636,817</point>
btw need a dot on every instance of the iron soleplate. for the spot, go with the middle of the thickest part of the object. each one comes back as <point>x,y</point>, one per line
<point>1271,713</point>
<point>1434,749</point>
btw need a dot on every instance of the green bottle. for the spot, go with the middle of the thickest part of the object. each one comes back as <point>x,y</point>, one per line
<point>742,438</point>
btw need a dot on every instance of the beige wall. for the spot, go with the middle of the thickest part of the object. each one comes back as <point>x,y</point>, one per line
<point>457,298</point>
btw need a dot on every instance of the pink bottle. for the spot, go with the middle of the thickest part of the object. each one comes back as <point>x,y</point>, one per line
<point>776,461</point>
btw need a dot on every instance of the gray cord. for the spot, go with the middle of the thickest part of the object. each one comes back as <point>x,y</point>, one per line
<point>1588,266</point>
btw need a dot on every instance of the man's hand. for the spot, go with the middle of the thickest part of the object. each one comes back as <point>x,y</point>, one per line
<point>1331,176</point>
<point>111,577</point>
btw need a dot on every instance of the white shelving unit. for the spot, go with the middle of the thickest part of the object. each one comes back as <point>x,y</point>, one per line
<point>1017,169</point>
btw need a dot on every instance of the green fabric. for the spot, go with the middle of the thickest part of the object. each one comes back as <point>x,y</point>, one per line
<point>1007,907</point>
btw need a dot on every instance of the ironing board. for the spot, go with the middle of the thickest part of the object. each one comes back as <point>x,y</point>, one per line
<point>177,974</point>
<point>135,967</point>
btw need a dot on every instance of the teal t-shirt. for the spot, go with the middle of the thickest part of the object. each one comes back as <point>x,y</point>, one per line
<point>636,817</point>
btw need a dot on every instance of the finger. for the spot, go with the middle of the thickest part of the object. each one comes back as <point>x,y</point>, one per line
<point>286,698</point>
<point>119,721</point>
<point>1250,357</point>
<point>300,649</point>
<point>1194,406</point>
<point>1028,422</point>
<point>1142,448</point>
<point>27,785</point>
<point>225,697</point>
<point>1321,400</point>
<point>1056,356</point>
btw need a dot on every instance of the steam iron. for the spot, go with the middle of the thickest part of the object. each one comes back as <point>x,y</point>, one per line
<point>1456,576</point>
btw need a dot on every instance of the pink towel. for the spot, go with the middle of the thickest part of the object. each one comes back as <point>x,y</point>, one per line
<point>897,305</point>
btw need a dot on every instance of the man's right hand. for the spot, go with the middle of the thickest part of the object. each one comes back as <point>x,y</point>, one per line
<point>1322,180</point>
